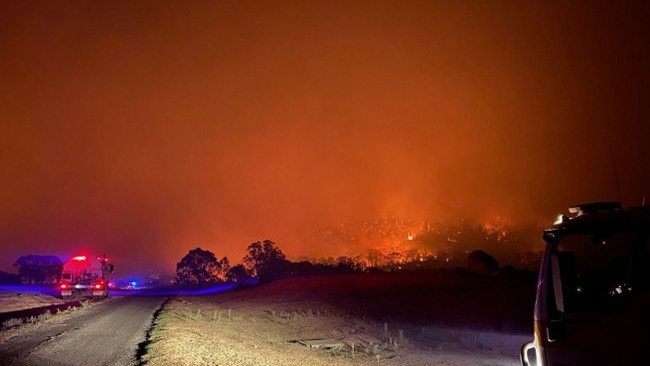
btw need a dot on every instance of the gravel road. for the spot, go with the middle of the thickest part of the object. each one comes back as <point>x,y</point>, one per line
<point>108,333</point>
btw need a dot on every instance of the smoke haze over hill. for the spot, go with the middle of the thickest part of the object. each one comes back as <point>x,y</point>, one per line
<point>147,129</point>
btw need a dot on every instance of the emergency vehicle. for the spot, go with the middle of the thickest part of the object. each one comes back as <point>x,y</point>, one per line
<point>85,276</point>
<point>593,299</point>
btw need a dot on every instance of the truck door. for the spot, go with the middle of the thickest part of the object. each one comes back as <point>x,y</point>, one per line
<point>599,301</point>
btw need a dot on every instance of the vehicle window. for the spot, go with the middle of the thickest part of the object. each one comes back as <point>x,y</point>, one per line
<point>599,270</point>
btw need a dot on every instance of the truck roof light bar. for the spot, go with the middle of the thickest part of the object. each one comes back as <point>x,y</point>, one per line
<point>595,208</point>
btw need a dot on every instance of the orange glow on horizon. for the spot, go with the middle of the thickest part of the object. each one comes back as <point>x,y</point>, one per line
<point>228,123</point>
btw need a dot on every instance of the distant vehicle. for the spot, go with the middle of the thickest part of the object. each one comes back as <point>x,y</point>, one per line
<point>593,298</point>
<point>84,276</point>
<point>130,285</point>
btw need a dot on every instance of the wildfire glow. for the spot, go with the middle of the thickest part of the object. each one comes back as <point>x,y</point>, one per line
<point>395,241</point>
<point>366,112</point>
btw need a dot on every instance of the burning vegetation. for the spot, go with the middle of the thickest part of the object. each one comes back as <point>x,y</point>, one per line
<point>394,243</point>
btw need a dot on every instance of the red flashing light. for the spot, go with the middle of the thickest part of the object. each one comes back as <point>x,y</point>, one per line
<point>63,285</point>
<point>80,258</point>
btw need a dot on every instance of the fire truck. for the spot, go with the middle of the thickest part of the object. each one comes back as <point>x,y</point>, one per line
<point>85,276</point>
<point>593,291</point>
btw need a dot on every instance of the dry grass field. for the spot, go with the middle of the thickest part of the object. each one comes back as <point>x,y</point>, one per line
<point>16,298</point>
<point>442,317</point>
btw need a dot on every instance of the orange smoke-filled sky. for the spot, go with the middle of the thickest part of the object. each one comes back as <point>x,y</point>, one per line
<point>144,129</point>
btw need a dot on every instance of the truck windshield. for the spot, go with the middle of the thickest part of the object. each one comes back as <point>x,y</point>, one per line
<point>598,271</point>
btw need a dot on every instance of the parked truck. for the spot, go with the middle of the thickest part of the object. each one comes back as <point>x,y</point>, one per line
<point>593,298</point>
<point>85,276</point>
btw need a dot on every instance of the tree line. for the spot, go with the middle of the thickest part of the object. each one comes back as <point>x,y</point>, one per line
<point>38,269</point>
<point>264,260</point>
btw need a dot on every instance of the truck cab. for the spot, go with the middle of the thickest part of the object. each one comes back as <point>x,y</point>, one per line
<point>593,299</point>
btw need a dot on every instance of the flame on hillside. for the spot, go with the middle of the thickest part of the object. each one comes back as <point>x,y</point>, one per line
<point>394,242</point>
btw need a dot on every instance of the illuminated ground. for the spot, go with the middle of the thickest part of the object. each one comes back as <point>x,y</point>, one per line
<point>13,298</point>
<point>434,318</point>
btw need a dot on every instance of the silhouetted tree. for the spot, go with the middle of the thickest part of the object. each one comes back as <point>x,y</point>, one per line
<point>9,278</point>
<point>265,260</point>
<point>349,264</point>
<point>201,268</point>
<point>237,273</point>
<point>375,258</point>
<point>39,269</point>
<point>225,268</point>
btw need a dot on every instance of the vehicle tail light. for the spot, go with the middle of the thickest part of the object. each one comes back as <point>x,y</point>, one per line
<point>64,285</point>
<point>99,285</point>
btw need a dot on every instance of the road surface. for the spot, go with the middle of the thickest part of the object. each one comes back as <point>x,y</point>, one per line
<point>112,332</point>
